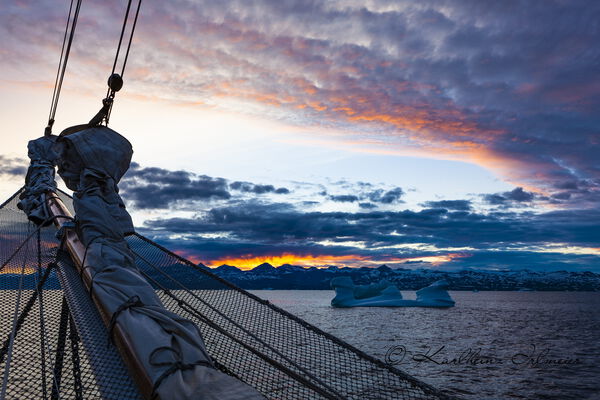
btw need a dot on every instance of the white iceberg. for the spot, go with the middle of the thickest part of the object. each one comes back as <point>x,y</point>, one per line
<point>386,294</point>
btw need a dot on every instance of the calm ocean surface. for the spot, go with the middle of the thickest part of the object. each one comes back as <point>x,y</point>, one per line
<point>491,345</point>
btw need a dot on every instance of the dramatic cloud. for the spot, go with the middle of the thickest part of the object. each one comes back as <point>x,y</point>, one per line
<point>459,205</point>
<point>449,233</point>
<point>248,187</point>
<point>511,86</point>
<point>158,188</point>
<point>344,198</point>
<point>433,235</point>
<point>13,167</point>
<point>374,196</point>
<point>278,222</point>
<point>367,206</point>
<point>516,195</point>
<point>161,188</point>
<point>517,92</point>
<point>389,197</point>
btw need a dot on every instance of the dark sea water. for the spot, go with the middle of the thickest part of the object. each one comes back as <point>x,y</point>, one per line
<point>491,345</point>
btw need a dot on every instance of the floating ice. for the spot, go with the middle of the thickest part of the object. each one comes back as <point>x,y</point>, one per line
<point>386,294</point>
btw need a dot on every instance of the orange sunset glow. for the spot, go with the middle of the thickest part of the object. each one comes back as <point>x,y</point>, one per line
<point>283,199</point>
<point>249,262</point>
<point>285,133</point>
<point>18,270</point>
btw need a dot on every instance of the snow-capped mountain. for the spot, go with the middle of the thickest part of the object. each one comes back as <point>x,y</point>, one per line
<point>287,276</point>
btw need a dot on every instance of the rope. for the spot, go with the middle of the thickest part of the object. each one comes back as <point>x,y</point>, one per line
<point>120,40</point>
<point>8,344</point>
<point>131,38</point>
<point>84,267</point>
<point>48,220</point>
<point>174,366</point>
<point>60,349</point>
<point>115,81</point>
<point>325,390</point>
<point>62,52</point>
<point>125,21</point>
<point>20,319</point>
<point>43,336</point>
<point>62,64</point>
<point>47,348</point>
<point>133,301</point>
<point>426,388</point>
<point>74,338</point>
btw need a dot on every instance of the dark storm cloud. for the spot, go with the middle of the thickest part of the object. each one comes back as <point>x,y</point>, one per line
<point>165,196</point>
<point>517,195</point>
<point>511,85</point>
<point>367,206</point>
<point>386,197</point>
<point>216,249</point>
<point>159,188</point>
<point>459,205</point>
<point>515,260</point>
<point>507,238</point>
<point>14,167</point>
<point>366,193</point>
<point>248,187</point>
<point>282,225</point>
<point>344,198</point>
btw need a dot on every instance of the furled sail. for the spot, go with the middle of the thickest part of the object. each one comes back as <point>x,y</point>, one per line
<point>39,179</point>
<point>169,349</point>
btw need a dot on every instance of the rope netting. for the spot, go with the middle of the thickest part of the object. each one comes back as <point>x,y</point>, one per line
<point>59,349</point>
<point>53,339</point>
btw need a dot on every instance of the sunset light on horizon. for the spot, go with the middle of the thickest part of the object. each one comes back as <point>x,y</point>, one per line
<point>341,133</point>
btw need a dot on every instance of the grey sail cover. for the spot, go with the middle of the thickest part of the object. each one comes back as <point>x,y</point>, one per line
<point>39,179</point>
<point>91,161</point>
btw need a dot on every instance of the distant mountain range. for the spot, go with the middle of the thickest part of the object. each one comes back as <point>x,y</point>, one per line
<point>266,276</point>
<point>287,276</point>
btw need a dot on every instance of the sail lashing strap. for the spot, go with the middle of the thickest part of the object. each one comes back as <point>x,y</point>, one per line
<point>115,80</point>
<point>133,301</point>
<point>174,366</point>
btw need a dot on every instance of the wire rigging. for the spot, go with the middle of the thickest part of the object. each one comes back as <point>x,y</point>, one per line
<point>123,28</point>
<point>137,13</point>
<point>62,63</point>
<point>115,80</point>
<point>121,37</point>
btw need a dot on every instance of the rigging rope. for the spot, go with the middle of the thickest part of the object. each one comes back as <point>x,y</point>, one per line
<point>125,21</point>
<point>6,352</point>
<point>43,336</point>
<point>194,293</point>
<point>115,80</point>
<point>308,379</point>
<point>30,235</point>
<point>8,344</point>
<point>62,64</point>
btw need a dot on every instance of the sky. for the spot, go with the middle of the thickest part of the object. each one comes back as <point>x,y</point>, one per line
<point>432,134</point>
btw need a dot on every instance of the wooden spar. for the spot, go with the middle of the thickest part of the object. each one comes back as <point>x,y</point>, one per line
<point>77,251</point>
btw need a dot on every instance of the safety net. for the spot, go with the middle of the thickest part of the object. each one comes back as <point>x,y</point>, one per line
<point>55,345</point>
